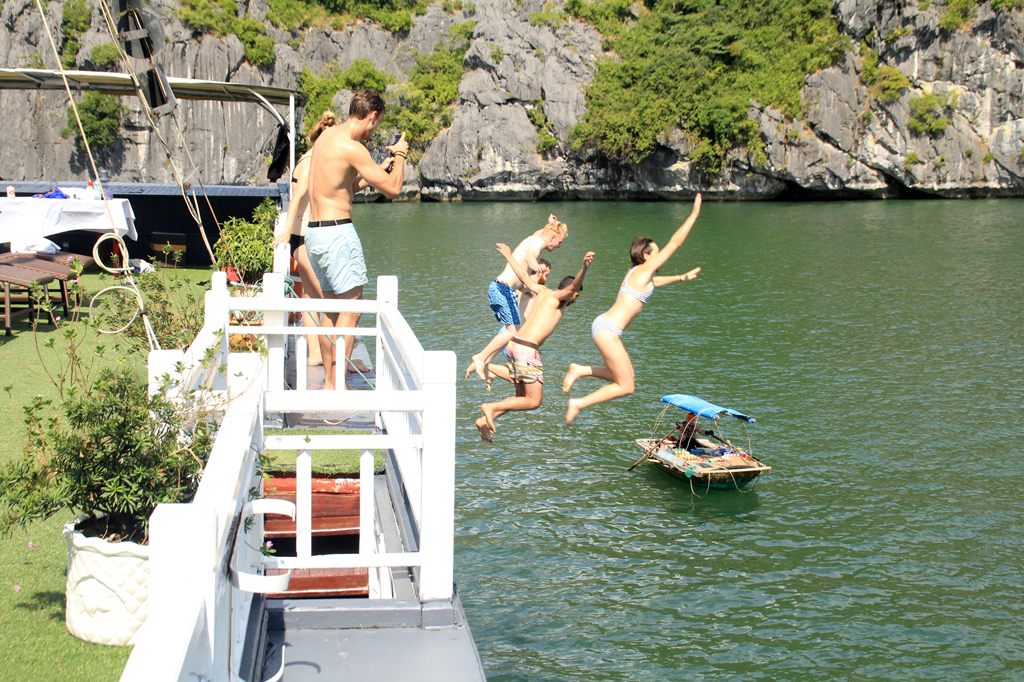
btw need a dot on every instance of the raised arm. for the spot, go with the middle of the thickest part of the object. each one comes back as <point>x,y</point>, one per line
<point>577,282</point>
<point>299,202</point>
<point>672,279</point>
<point>372,175</point>
<point>529,282</point>
<point>658,259</point>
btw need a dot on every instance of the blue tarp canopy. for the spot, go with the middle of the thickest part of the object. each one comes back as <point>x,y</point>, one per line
<point>692,403</point>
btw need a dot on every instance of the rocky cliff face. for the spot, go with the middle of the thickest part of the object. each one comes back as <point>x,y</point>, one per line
<point>851,144</point>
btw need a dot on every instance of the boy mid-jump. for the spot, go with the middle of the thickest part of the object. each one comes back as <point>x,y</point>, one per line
<point>503,292</point>
<point>523,366</point>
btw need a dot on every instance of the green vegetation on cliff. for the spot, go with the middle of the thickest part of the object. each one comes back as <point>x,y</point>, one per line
<point>76,17</point>
<point>320,90</point>
<point>696,65</point>
<point>220,17</point>
<point>423,107</point>
<point>101,118</point>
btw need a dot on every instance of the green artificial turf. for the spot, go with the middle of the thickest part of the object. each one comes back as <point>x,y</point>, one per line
<point>324,461</point>
<point>34,642</point>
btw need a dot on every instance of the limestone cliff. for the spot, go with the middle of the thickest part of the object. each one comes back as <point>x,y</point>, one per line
<point>851,143</point>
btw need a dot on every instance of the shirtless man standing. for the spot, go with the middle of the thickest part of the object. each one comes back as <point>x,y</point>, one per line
<point>523,365</point>
<point>502,292</point>
<point>341,166</point>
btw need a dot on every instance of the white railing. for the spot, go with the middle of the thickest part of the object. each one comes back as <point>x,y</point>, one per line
<point>205,555</point>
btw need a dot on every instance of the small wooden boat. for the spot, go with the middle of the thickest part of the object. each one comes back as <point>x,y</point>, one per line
<point>703,457</point>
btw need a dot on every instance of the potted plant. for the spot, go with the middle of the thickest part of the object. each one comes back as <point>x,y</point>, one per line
<point>244,246</point>
<point>106,450</point>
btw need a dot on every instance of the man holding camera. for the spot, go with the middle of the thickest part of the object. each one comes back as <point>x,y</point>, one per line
<point>340,167</point>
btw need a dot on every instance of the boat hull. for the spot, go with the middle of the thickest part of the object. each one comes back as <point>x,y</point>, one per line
<point>712,474</point>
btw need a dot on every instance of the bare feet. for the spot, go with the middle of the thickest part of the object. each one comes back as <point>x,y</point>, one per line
<point>484,429</point>
<point>480,367</point>
<point>315,363</point>
<point>489,416</point>
<point>469,369</point>
<point>574,409</point>
<point>570,377</point>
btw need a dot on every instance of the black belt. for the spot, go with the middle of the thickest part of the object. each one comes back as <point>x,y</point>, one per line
<point>329,223</point>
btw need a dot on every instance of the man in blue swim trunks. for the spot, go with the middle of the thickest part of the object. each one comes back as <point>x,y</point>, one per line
<point>503,293</point>
<point>341,166</point>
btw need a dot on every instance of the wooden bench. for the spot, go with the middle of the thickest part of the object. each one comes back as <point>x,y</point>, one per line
<point>60,271</point>
<point>13,276</point>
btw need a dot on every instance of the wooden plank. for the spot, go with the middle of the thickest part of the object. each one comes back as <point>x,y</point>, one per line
<point>274,527</point>
<point>324,582</point>
<point>325,505</point>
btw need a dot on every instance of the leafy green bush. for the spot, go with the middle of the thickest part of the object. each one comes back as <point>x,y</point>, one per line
<point>422,108</point>
<point>989,157</point>
<point>497,54</point>
<point>104,55</point>
<point>393,15</point>
<point>451,6</point>
<point>320,90</point>
<point>887,83</point>
<point>101,119</point>
<point>958,13</point>
<point>220,17</point>
<point>245,246</point>
<point>108,449</point>
<point>545,140</point>
<point>926,112</point>
<point>76,18</point>
<point>696,65</point>
<point>912,158</point>
<point>174,305</point>
<point>259,47</point>
<point>548,17</point>
<point>296,14</point>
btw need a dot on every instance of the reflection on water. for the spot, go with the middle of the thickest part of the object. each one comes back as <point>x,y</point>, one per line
<point>879,346</point>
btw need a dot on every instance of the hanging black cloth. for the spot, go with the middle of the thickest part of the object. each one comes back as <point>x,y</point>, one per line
<point>279,162</point>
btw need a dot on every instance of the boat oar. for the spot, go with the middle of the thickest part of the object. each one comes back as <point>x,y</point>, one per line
<point>650,451</point>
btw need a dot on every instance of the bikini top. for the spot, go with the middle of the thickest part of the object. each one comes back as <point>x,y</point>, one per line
<point>642,296</point>
<point>307,155</point>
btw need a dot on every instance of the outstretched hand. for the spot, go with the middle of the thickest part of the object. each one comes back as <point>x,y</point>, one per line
<point>696,204</point>
<point>692,274</point>
<point>504,250</point>
<point>589,258</point>
<point>552,219</point>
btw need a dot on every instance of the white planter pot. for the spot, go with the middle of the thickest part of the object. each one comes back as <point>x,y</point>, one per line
<point>107,589</point>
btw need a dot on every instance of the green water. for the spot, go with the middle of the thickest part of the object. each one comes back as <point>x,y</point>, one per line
<point>879,345</point>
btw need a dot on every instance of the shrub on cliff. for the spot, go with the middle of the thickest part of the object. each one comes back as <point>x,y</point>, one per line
<point>926,112</point>
<point>220,17</point>
<point>423,107</point>
<point>320,90</point>
<point>696,65</point>
<point>887,83</point>
<point>101,119</point>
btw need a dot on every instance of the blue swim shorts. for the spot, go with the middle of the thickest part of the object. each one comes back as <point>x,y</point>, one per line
<point>503,300</point>
<point>336,256</point>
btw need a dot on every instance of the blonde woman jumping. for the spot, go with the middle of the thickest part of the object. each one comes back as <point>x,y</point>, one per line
<point>636,289</point>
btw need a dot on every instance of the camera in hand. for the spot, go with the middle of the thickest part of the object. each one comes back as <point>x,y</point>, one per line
<point>391,166</point>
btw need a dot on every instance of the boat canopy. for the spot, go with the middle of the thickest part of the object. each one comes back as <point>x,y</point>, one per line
<point>698,406</point>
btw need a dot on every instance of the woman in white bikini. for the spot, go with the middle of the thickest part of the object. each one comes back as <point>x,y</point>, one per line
<point>635,291</point>
<point>294,230</point>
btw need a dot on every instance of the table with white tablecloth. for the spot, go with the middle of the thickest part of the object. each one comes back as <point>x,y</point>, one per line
<point>26,221</point>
